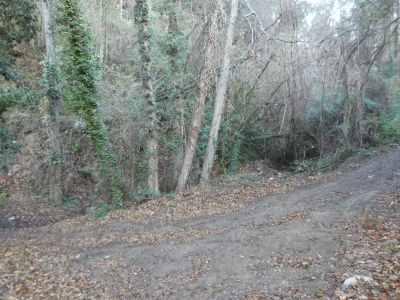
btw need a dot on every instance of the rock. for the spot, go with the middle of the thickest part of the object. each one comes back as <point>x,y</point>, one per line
<point>349,283</point>
<point>353,281</point>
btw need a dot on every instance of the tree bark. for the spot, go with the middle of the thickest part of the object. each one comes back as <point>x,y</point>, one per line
<point>104,25</point>
<point>204,86</point>
<point>173,52</point>
<point>321,112</point>
<point>54,108</point>
<point>142,22</point>
<point>220,98</point>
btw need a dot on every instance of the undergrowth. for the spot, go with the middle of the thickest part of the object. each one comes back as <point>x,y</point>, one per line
<point>4,197</point>
<point>332,160</point>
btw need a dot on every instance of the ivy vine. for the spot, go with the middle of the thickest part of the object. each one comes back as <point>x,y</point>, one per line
<point>79,67</point>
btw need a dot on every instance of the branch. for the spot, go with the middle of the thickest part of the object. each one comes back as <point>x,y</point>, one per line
<point>264,30</point>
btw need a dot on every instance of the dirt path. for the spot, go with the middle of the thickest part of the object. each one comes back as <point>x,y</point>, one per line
<point>280,246</point>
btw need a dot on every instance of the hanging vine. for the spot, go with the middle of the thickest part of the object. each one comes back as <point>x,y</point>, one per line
<point>80,90</point>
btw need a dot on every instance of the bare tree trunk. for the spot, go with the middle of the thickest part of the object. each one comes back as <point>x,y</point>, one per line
<point>50,48</point>
<point>347,109</point>
<point>142,21</point>
<point>180,151</point>
<point>104,24</point>
<point>220,98</point>
<point>321,112</point>
<point>198,112</point>
<point>54,109</point>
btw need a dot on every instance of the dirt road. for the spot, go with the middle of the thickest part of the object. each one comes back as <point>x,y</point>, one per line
<point>280,246</point>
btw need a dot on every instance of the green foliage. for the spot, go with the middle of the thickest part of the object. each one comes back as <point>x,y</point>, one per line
<point>140,168</point>
<point>52,80</point>
<point>79,72</point>
<point>7,149</point>
<point>300,166</point>
<point>371,106</point>
<point>52,159</point>
<point>231,155</point>
<point>342,154</point>
<point>101,211</point>
<point>143,193</point>
<point>4,197</point>
<point>332,113</point>
<point>10,96</point>
<point>70,201</point>
<point>169,46</point>
<point>389,125</point>
<point>326,162</point>
<point>237,128</point>
<point>17,24</point>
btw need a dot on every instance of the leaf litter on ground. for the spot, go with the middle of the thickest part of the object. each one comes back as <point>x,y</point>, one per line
<point>45,263</point>
<point>373,251</point>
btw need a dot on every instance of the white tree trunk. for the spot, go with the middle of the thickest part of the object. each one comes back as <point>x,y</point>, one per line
<point>220,97</point>
<point>104,25</point>
<point>50,50</point>
<point>198,112</point>
<point>152,139</point>
<point>54,109</point>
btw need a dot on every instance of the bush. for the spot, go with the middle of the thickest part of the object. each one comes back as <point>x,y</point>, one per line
<point>144,193</point>
<point>69,201</point>
<point>101,211</point>
<point>326,162</point>
<point>7,149</point>
<point>10,96</point>
<point>389,125</point>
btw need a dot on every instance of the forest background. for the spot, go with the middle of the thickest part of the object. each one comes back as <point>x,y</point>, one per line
<point>110,101</point>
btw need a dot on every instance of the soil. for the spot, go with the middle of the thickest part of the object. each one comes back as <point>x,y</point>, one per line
<point>279,245</point>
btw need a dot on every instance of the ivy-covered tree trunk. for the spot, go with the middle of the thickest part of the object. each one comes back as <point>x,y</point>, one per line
<point>80,90</point>
<point>220,97</point>
<point>203,89</point>
<point>141,12</point>
<point>53,94</point>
